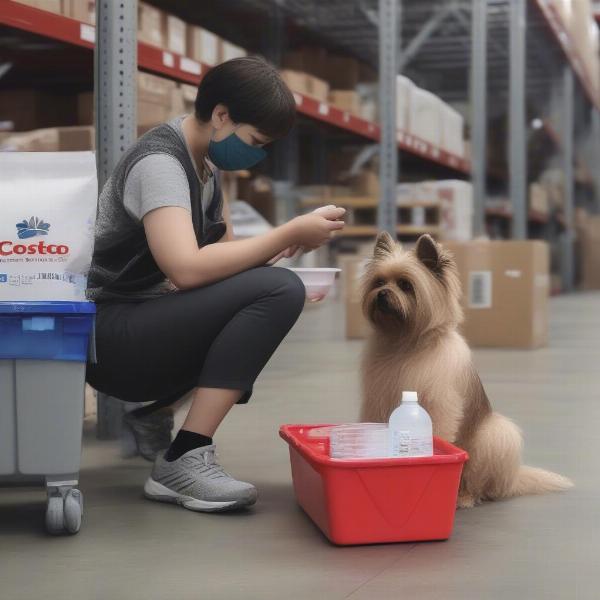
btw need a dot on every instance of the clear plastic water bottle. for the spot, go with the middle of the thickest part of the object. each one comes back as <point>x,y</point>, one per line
<point>410,429</point>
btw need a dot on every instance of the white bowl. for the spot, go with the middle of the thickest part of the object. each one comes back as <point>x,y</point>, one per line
<point>317,281</point>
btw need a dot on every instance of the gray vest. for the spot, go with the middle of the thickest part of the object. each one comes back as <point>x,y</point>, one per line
<point>123,268</point>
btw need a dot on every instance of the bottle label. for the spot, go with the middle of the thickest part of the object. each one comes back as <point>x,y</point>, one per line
<point>405,444</point>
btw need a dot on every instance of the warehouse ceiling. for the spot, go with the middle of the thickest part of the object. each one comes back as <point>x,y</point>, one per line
<point>435,37</point>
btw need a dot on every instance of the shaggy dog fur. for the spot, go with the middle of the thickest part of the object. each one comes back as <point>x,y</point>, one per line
<point>412,300</point>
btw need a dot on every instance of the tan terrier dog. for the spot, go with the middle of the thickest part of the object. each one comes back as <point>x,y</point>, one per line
<point>412,300</point>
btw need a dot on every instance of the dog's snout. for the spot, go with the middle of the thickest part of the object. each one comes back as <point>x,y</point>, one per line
<point>382,294</point>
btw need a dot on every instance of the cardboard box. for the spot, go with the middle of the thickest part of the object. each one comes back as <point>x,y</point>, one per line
<point>425,116</point>
<point>295,80</point>
<point>403,87</point>
<point>538,198</point>
<point>54,6</point>
<point>189,93</point>
<point>80,10</point>
<point>310,59</point>
<point>353,268</point>
<point>202,45</point>
<point>29,109</point>
<point>505,292</point>
<point>367,183</point>
<point>229,51</point>
<point>85,108</point>
<point>176,35</point>
<point>151,25</point>
<point>154,99</point>
<point>342,72</point>
<point>453,126</point>
<point>345,100</point>
<point>52,139</point>
<point>317,88</point>
<point>588,234</point>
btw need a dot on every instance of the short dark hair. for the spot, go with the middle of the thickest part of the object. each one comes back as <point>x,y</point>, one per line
<point>253,92</point>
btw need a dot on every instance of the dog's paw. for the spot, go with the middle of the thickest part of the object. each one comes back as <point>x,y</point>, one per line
<point>465,501</point>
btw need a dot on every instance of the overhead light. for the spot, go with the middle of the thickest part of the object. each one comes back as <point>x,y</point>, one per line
<point>537,124</point>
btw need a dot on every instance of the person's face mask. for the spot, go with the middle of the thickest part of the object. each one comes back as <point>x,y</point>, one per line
<point>233,154</point>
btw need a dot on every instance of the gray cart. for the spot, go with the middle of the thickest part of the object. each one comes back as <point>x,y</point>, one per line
<point>41,402</point>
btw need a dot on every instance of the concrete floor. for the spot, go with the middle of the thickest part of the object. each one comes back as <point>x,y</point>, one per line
<point>529,548</point>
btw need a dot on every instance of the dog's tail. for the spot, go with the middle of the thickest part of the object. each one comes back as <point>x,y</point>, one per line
<point>531,480</point>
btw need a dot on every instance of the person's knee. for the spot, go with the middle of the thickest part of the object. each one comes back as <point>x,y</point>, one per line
<point>287,287</point>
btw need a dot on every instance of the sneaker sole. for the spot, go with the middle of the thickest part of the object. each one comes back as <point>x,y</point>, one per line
<point>158,492</point>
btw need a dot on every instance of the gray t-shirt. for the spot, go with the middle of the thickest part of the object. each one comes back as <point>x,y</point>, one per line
<point>159,180</point>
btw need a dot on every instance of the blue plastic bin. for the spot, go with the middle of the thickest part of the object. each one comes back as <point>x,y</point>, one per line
<point>46,330</point>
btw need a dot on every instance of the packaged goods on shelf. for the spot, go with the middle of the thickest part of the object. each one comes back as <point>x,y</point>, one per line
<point>341,72</point>
<point>80,10</point>
<point>367,183</point>
<point>505,292</point>
<point>52,139</point>
<point>345,100</point>
<point>538,198</point>
<point>188,93</point>
<point>425,115</point>
<point>85,108</point>
<point>228,51</point>
<point>54,6</point>
<point>453,125</point>
<point>154,99</point>
<point>403,89</point>
<point>588,242</point>
<point>310,59</point>
<point>30,109</point>
<point>317,88</point>
<point>176,35</point>
<point>456,202</point>
<point>369,101</point>
<point>151,25</point>
<point>202,45</point>
<point>295,80</point>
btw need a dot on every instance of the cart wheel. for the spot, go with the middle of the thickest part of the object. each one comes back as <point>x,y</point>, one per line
<point>73,510</point>
<point>55,514</point>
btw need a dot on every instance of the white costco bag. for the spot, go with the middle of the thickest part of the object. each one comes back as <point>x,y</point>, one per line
<point>47,214</point>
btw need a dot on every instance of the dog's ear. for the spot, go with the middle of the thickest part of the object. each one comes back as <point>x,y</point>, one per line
<point>384,246</point>
<point>431,254</point>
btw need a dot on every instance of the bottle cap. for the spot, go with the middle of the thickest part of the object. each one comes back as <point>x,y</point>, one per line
<point>409,397</point>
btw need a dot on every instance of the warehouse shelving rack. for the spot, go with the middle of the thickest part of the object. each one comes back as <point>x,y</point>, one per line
<point>491,53</point>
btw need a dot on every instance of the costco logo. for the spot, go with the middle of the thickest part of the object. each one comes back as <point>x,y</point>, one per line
<point>26,229</point>
<point>32,228</point>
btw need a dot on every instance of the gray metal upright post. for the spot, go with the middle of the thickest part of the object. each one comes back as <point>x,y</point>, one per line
<point>479,112</point>
<point>517,119</point>
<point>115,72</point>
<point>567,266</point>
<point>388,145</point>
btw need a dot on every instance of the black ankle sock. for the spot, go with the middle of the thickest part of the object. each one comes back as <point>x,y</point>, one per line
<point>184,442</point>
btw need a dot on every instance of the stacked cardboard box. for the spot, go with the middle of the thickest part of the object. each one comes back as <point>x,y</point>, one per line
<point>453,138</point>
<point>150,25</point>
<point>353,268</point>
<point>347,100</point>
<point>505,292</point>
<point>29,109</point>
<point>202,45</point>
<point>52,139</point>
<point>54,6</point>
<point>80,10</point>
<point>229,51</point>
<point>303,83</point>
<point>155,95</point>
<point>175,33</point>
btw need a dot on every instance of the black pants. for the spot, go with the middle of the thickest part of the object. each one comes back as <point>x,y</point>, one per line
<point>217,336</point>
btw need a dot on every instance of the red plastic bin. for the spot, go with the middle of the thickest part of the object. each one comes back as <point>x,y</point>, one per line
<point>377,500</point>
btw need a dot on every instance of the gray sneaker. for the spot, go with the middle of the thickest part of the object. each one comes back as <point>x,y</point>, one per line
<point>198,482</point>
